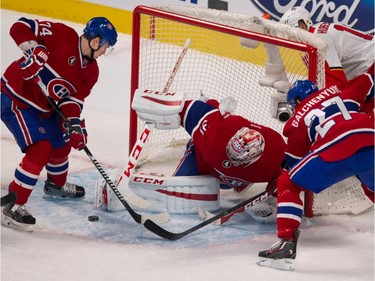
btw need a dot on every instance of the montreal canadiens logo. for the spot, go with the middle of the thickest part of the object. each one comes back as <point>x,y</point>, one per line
<point>233,182</point>
<point>60,88</point>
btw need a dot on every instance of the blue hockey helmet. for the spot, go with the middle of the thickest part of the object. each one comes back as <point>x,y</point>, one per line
<point>103,28</point>
<point>300,90</point>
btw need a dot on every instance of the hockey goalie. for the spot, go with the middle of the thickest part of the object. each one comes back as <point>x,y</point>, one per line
<point>226,151</point>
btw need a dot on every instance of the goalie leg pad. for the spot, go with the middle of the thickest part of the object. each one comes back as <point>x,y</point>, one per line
<point>106,198</point>
<point>101,200</point>
<point>177,195</point>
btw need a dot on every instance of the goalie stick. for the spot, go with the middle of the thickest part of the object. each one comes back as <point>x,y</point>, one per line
<point>177,66</point>
<point>158,230</point>
<point>134,156</point>
<point>161,218</point>
<point>205,215</point>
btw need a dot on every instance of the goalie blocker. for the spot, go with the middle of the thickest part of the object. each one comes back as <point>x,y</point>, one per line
<point>159,108</point>
<point>175,195</point>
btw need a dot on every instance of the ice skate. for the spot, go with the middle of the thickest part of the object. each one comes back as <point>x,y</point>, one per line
<point>281,255</point>
<point>68,191</point>
<point>17,217</point>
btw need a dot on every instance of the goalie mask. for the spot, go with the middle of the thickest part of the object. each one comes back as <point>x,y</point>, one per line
<point>296,14</point>
<point>245,147</point>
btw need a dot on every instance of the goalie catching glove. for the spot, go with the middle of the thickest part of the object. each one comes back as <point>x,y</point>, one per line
<point>159,108</point>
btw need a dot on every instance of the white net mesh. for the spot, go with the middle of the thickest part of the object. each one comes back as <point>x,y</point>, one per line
<point>344,197</point>
<point>217,66</point>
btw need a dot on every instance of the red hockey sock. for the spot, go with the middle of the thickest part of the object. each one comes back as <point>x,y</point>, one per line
<point>29,169</point>
<point>59,162</point>
<point>369,193</point>
<point>290,207</point>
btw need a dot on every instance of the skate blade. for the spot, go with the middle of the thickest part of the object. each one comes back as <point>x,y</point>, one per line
<point>282,264</point>
<point>54,198</point>
<point>8,222</point>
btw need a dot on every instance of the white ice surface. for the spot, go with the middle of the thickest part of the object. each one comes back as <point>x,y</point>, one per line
<point>65,246</point>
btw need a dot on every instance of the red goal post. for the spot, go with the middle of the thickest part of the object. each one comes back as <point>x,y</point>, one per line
<point>216,65</point>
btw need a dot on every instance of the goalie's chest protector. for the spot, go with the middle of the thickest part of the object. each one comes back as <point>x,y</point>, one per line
<point>210,139</point>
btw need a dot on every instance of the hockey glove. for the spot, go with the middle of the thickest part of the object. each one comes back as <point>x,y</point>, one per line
<point>77,137</point>
<point>159,108</point>
<point>34,62</point>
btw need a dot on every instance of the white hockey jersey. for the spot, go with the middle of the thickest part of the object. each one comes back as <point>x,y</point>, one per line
<point>349,49</point>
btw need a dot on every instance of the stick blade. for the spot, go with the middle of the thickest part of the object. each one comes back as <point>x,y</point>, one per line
<point>206,215</point>
<point>163,233</point>
<point>156,218</point>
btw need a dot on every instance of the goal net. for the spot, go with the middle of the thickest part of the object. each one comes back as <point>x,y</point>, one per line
<point>217,65</point>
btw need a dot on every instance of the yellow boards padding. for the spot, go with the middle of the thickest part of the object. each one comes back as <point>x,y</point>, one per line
<point>215,43</point>
<point>72,10</point>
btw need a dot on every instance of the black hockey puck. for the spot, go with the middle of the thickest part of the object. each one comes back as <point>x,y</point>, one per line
<point>93,218</point>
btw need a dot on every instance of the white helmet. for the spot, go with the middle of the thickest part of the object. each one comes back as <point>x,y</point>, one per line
<point>245,147</point>
<point>294,15</point>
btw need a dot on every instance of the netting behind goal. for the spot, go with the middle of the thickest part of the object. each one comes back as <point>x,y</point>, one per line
<point>216,66</point>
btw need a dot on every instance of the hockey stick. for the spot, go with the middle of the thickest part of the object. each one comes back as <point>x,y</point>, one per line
<point>177,66</point>
<point>9,198</point>
<point>206,215</point>
<point>161,218</point>
<point>134,156</point>
<point>158,230</point>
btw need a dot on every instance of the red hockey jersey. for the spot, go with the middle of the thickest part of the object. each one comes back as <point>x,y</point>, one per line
<point>330,123</point>
<point>65,62</point>
<point>211,132</point>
